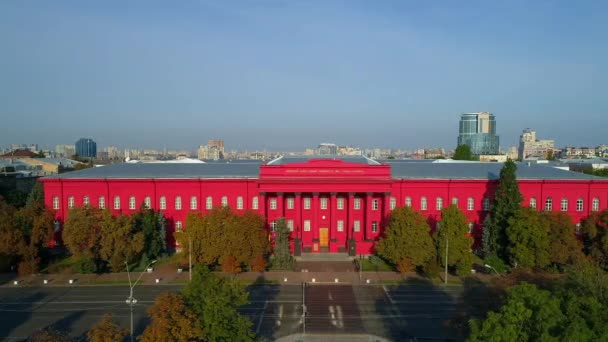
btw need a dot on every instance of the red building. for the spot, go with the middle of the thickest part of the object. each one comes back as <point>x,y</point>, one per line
<point>334,204</point>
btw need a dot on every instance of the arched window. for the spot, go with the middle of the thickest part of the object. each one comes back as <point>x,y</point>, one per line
<point>595,204</point>
<point>408,201</point>
<point>178,226</point>
<point>147,202</point>
<point>70,202</point>
<point>470,227</point>
<point>163,203</point>
<point>209,203</point>
<point>549,204</point>
<point>455,201</point>
<point>564,204</point>
<point>239,203</point>
<point>486,204</point>
<point>85,200</point>
<point>423,204</point>
<point>254,203</point>
<point>132,203</point>
<point>55,202</point>
<point>102,202</point>
<point>116,202</point>
<point>533,203</point>
<point>470,204</point>
<point>393,203</point>
<point>579,204</point>
<point>224,201</point>
<point>439,204</point>
<point>178,202</point>
<point>193,203</point>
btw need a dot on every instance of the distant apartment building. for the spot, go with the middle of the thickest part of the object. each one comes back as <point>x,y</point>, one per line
<point>325,149</point>
<point>66,151</point>
<point>86,148</point>
<point>532,147</point>
<point>209,152</point>
<point>434,153</point>
<point>349,151</point>
<point>478,131</point>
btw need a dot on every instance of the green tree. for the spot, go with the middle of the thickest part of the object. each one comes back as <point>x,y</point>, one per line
<point>407,238</point>
<point>595,237</point>
<point>529,314</point>
<point>507,200</point>
<point>152,224</point>
<point>172,320</point>
<point>454,228</point>
<point>282,258</point>
<point>565,248</point>
<point>528,239</point>
<point>215,301</point>
<point>107,330</point>
<point>120,241</point>
<point>463,152</point>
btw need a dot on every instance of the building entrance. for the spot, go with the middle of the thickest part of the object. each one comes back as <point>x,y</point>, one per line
<point>324,237</point>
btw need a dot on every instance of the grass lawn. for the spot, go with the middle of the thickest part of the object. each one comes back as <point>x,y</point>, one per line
<point>375,264</point>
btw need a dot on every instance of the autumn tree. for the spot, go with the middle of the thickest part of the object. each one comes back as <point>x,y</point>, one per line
<point>595,237</point>
<point>107,330</point>
<point>215,301</point>
<point>12,241</point>
<point>507,200</point>
<point>49,334</point>
<point>120,241</point>
<point>253,227</point>
<point>528,239</point>
<point>172,320</point>
<point>407,239</point>
<point>282,258</point>
<point>454,229</point>
<point>564,247</point>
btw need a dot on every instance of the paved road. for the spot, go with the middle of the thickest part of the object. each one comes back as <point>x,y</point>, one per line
<point>390,312</point>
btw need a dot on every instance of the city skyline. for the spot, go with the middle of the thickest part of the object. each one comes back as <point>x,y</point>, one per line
<point>281,75</point>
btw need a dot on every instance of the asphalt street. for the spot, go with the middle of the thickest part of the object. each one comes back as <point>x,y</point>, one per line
<point>286,312</point>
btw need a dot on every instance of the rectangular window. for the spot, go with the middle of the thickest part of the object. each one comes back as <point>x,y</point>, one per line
<point>408,201</point>
<point>323,202</point>
<point>55,202</point>
<point>439,204</point>
<point>70,202</point>
<point>306,202</point>
<point>340,226</point>
<point>357,204</point>
<point>549,204</point>
<point>273,204</point>
<point>579,204</point>
<point>102,202</point>
<point>393,203</point>
<point>423,203</point>
<point>132,203</point>
<point>239,203</point>
<point>340,203</point>
<point>306,225</point>
<point>375,205</point>
<point>254,203</point>
<point>116,202</point>
<point>178,203</point>
<point>564,206</point>
<point>193,203</point>
<point>209,203</point>
<point>357,226</point>
<point>374,226</point>
<point>470,204</point>
<point>290,225</point>
<point>163,203</point>
<point>290,203</point>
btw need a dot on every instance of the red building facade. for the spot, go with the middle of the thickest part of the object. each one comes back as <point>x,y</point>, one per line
<point>330,204</point>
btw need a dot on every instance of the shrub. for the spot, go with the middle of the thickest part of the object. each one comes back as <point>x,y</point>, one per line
<point>497,263</point>
<point>230,264</point>
<point>258,264</point>
<point>84,265</point>
<point>28,267</point>
<point>431,269</point>
<point>463,268</point>
<point>405,265</point>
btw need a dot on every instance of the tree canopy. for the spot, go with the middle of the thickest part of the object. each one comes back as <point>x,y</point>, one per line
<point>528,239</point>
<point>282,258</point>
<point>172,320</point>
<point>595,237</point>
<point>407,239</point>
<point>463,152</point>
<point>107,330</point>
<point>454,228</point>
<point>564,247</point>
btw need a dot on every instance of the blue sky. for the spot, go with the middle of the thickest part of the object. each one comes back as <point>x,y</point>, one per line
<point>289,74</point>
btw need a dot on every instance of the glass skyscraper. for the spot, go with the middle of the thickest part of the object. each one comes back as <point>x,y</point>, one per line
<point>86,148</point>
<point>478,130</point>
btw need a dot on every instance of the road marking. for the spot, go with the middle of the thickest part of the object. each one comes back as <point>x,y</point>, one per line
<point>390,299</point>
<point>257,329</point>
<point>340,317</point>
<point>280,315</point>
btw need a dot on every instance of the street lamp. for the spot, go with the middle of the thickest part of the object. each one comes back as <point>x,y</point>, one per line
<point>131,301</point>
<point>492,268</point>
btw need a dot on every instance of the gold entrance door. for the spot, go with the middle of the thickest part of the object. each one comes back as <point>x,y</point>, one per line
<point>324,237</point>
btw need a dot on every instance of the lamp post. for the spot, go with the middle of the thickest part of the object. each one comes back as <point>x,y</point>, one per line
<point>492,268</point>
<point>131,301</point>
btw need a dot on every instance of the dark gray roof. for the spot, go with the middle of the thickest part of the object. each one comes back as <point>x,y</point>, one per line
<point>477,170</point>
<point>154,170</point>
<point>283,160</point>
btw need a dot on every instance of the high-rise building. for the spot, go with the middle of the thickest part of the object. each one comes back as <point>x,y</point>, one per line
<point>531,147</point>
<point>325,149</point>
<point>66,151</point>
<point>478,130</point>
<point>86,148</point>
